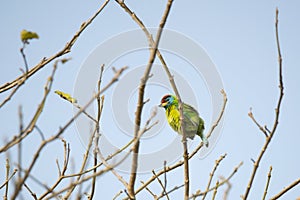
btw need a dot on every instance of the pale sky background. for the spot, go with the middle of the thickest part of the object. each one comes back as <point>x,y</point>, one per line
<point>238,36</point>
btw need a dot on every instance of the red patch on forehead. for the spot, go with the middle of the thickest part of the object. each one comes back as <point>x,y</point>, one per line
<point>164,99</point>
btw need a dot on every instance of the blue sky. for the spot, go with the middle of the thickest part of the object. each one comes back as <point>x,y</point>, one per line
<point>239,37</point>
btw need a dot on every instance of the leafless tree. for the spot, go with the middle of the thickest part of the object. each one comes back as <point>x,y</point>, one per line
<point>69,185</point>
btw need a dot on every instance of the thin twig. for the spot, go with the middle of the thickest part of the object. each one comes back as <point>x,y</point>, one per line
<point>36,180</point>
<point>8,98</point>
<point>213,172</point>
<point>61,172</point>
<point>114,79</point>
<point>30,191</point>
<point>119,177</point>
<point>87,178</point>
<point>267,184</point>
<point>21,81</point>
<point>277,112</point>
<point>161,184</point>
<point>285,190</point>
<point>85,113</point>
<point>165,176</point>
<point>24,56</point>
<point>79,182</point>
<point>7,178</point>
<point>215,190</point>
<point>250,114</point>
<point>118,194</point>
<point>97,134</point>
<point>224,181</point>
<point>170,191</point>
<point>40,132</point>
<point>141,132</point>
<point>82,168</point>
<point>20,144</point>
<point>152,194</point>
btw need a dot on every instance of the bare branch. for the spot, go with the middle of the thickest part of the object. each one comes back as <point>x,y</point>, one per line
<point>267,184</point>
<point>286,189</point>
<point>21,81</point>
<point>165,175</point>
<point>120,178</point>
<point>28,130</point>
<point>40,132</point>
<point>213,172</point>
<point>250,114</point>
<point>276,120</point>
<point>97,133</point>
<point>78,182</point>
<point>170,191</point>
<point>7,178</point>
<point>150,192</point>
<point>115,78</point>
<point>140,103</point>
<point>36,180</point>
<point>30,191</point>
<point>118,194</point>
<point>36,116</point>
<point>60,53</point>
<point>20,144</point>
<point>162,185</point>
<point>61,172</point>
<point>215,190</point>
<point>82,168</point>
<point>224,181</point>
<point>24,56</point>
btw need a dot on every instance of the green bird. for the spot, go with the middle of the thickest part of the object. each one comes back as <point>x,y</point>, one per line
<point>193,124</point>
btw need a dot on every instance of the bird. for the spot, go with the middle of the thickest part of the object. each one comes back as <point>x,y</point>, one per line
<point>193,123</point>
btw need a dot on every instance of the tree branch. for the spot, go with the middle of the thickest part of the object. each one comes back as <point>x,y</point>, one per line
<point>213,172</point>
<point>60,53</point>
<point>140,103</point>
<point>277,111</point>
<point>285,190</point>
<point>267,184</point>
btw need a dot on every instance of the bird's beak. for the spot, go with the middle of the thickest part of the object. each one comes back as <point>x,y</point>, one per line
<point>163,104</point>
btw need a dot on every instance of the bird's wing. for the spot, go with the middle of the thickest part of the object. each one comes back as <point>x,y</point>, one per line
<point>191,115</point>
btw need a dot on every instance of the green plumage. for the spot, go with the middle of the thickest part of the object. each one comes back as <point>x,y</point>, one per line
<point>192,123</point>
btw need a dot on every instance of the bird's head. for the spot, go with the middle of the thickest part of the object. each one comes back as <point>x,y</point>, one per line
<point>167,100</point>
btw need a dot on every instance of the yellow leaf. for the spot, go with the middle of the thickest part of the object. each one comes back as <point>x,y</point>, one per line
<point>66,96</point>
<point>28,35</point>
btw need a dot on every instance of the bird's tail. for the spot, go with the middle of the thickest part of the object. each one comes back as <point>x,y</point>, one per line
<point>200,132</point>
<point>204,140</point>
